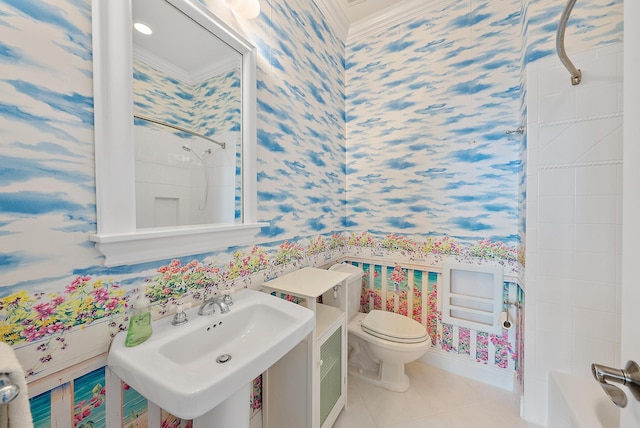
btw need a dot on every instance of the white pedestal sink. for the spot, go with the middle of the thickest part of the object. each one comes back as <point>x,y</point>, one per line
<point>203,370</point>
<point>232,412</point>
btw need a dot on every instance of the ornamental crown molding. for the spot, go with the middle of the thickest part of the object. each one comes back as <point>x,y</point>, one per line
<point>335,16</point>
<point>389,17</point>
<point>374,24</point>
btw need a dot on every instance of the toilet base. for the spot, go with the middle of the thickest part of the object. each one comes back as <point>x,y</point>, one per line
<point>388,376</point>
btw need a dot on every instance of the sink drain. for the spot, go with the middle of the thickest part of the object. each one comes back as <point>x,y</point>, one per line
<point>223,358</point>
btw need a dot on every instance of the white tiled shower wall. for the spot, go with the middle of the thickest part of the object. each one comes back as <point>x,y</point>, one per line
<point>165,171</point>
<point>574,222</point>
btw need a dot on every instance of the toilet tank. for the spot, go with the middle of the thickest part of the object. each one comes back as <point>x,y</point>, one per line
<point>354,289</point>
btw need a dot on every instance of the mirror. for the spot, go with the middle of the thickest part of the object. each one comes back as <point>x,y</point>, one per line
<point>187,109</point>
<point>126,233</point>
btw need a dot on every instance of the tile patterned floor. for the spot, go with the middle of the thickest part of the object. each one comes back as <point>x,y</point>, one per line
<point>435,399</point>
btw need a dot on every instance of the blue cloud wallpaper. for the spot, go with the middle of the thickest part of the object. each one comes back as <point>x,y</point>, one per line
<point>428,104</point>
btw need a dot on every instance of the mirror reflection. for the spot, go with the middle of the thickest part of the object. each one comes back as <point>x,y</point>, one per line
<point>187,110</point>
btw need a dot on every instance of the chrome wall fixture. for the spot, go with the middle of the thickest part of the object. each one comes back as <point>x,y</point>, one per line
<point>8,390</point>
<point>576,74</point>
<point>518,130</point>
<point>629,376</point>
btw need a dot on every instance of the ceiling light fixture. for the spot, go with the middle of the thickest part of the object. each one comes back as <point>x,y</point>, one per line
<point>142,28</point>
<point>248,9</point>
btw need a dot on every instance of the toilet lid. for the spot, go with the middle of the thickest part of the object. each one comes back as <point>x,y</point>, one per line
<point>393,327</point>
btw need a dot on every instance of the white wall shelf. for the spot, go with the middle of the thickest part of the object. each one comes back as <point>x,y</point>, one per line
<point>472,295</point>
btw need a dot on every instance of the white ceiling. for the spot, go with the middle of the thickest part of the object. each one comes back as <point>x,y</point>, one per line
<point>176,38</point>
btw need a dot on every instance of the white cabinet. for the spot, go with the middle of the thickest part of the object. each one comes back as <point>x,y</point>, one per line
<point>308,386</point>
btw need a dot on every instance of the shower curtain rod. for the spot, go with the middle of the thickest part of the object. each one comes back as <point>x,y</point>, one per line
<point>178,128</point>
<point>576,74</point>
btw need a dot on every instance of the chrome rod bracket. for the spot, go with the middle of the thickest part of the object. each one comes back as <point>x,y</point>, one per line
<point>577,78</point>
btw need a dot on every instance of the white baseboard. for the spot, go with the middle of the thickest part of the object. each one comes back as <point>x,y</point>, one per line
<point>500,378</point>
<point>256,420</point>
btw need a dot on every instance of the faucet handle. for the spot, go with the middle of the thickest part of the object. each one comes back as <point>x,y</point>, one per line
<point>180,317</point>
<point>227,300</point>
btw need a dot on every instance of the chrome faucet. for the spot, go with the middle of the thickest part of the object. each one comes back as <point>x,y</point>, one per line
<point>208,306</point>
<point>629,376</point>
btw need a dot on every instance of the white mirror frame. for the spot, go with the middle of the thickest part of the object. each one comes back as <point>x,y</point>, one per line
<point>117,237</point>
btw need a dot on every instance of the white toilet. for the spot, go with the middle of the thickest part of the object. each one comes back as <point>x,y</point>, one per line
<point>380,342</point>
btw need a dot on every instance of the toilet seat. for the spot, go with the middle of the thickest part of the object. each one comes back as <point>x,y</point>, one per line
<point>393,327</point>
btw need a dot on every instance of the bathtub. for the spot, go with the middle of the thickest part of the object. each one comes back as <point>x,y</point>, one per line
<point>576,402</point>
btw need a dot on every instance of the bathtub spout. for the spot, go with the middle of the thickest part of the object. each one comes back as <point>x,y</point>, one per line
<point>629,376</point>
<point>615,394</point>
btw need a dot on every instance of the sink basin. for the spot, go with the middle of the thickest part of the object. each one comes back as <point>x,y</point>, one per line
<point>189,370</point>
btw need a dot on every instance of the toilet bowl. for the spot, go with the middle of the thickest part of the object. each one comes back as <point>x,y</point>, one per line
<point>380,358</point>
<point>380,342</point>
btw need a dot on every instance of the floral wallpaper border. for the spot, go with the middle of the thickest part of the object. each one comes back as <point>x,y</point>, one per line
<point>45,318</point>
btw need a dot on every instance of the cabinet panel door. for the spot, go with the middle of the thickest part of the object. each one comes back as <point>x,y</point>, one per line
<point>330,373</point>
